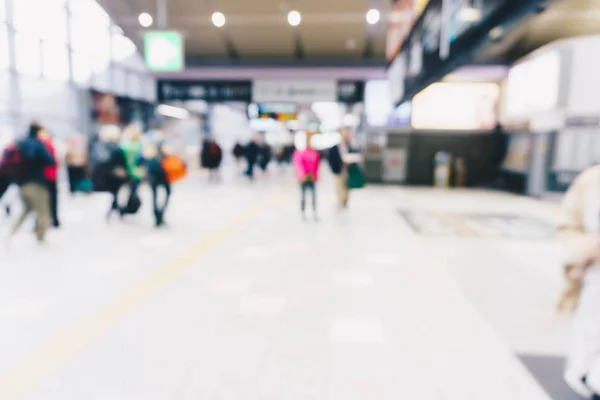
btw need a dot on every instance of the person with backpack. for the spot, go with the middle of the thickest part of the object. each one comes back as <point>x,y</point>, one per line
<point>343,160</point>
<point>109,171</point>
<point>238,152</point>
<point>133,150</point>
<point>265,157</point>
<point>163,168</point>
<point>252,153</point>
<point>307,162</point>
<point>212,158</point>
<point>26,162</point>
<point>51,175</point>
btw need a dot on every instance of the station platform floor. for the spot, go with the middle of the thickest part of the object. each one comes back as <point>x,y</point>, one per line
<point>412,293</point>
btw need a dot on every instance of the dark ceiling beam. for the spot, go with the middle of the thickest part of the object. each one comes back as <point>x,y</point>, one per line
<point>299,51</point>
<point>232,51</point>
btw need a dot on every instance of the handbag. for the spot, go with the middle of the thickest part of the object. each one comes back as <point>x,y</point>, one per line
<point>356,177</point>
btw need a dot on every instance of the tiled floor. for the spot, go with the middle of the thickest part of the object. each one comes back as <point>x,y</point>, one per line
<point>240,299</point>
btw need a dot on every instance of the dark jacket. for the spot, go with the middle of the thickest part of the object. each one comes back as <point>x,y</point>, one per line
<point>37,157</point>
<point>104,176</point>
<point>334,158</point>
<point>156,173</point>
<point>252,152</point>
<point>266,154</point>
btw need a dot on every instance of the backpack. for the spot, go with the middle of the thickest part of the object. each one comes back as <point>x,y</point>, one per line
<point>174,168</point>
<point>133,205</point>
<point>13,167</point>
<point>214,150</point>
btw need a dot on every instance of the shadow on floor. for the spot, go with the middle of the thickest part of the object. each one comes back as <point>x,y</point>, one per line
<point>548,371</point>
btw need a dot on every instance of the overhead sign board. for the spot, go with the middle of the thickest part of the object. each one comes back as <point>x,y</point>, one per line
<point>307,92</point>
<point>209,91</point>
<point>163,51</point>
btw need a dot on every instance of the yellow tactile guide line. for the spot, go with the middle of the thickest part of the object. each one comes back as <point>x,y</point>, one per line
<point>25,376</point>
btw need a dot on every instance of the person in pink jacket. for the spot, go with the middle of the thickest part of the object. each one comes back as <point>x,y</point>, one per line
<point>307,163</point>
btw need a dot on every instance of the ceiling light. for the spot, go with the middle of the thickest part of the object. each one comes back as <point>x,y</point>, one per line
<point>173,112</point>
<point>294,18</point>
<point>218,19</point>
<point>145,20</point>
<point>373,16</point>
<point>496,33</point>
<point>470,14</point>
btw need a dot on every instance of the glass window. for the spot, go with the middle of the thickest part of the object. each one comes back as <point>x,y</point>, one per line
<point>82,69</point>
<point>122,49</point>
<point>89,11</point>
<point>55,58</point>
<point>89,38</point>
<point>4,53</point>
<point>5,98</point>
<point>43,18</point>
<point>45,98</point>
<point>28,60</point>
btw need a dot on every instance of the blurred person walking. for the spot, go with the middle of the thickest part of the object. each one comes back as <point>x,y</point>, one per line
<point>28,160</point>
<point>252,153</point>
<point>109,171</point>
<point>307,162</point>
<point>238,153</point>
<point>579,230</point>
<point>340,157</point>
<point>163,168</point>
<point>51,175</point>
<point>212,156</point>
<point>77,164</point>
<point>265,156</point>
<point>133,150</point>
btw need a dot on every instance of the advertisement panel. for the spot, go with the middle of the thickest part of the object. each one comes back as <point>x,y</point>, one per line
<point>456,106</point>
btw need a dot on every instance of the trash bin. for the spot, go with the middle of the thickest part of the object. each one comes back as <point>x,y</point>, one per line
<point>441,169</point>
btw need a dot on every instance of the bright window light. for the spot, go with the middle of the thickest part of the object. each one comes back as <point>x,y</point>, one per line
<point>294,18</point>
<point>373,16</point>
<point>173,112</point>
<point>218,19</point>
<point>122,48</point>
<point>470,14</point>
<point>145,20</point>
<point>55,64</point>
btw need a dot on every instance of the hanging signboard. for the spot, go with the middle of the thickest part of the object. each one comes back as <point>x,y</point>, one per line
<point>309,91</point>
<point>209,91</point>
<point>163,51</point>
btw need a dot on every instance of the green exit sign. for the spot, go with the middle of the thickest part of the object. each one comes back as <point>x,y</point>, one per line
<point>163,51</point>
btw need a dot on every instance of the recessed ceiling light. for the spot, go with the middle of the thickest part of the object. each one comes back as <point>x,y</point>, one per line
<point>294,18</point>
<point>373,16</point>
<point>145,20</point>
<point>496,33</point>
<point>218,19</point>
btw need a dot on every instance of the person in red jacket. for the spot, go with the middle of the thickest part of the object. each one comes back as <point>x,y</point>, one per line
<point>51,175</point>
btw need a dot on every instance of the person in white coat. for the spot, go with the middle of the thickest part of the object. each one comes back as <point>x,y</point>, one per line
<point>579,230</point>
